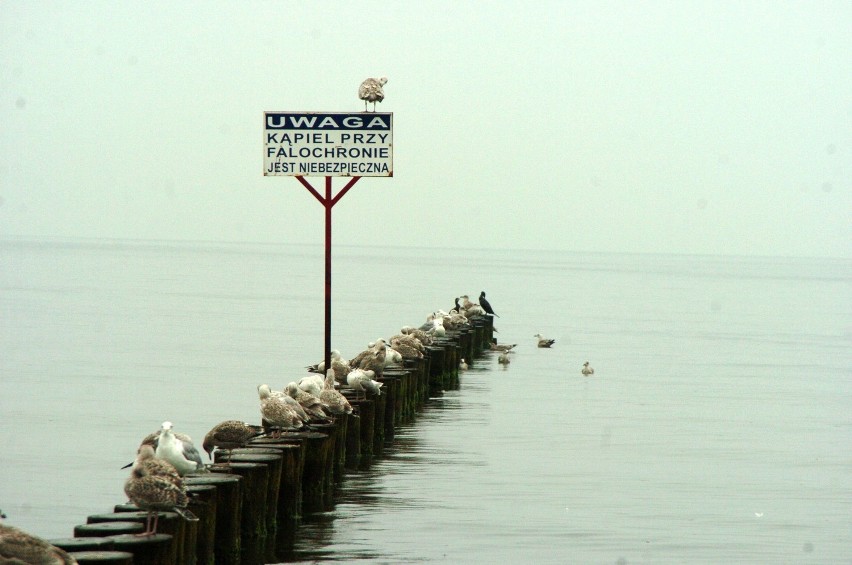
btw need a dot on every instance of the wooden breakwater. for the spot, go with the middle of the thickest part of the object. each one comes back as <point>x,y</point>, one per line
<point>250,507</point>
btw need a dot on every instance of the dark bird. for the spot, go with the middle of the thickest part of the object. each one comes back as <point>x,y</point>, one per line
<point>371,91</point>
<point>486,306</point>
<point>230,434</point>
<point>19,547</point>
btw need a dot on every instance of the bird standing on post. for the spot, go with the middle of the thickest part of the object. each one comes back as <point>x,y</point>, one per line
<point>485,305</point>
<point>371,91</point>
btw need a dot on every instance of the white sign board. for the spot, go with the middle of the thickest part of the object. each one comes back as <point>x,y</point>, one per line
<point>328,144</point>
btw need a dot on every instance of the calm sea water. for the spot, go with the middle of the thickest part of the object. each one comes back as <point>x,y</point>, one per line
<point>717,427</point>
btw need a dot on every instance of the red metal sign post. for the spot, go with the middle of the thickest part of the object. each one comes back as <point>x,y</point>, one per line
<point>328,202</point>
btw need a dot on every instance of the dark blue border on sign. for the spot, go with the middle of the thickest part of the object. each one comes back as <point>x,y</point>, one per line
<point>367,121</point>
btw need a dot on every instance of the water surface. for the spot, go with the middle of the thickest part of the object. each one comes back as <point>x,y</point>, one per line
<point>716,428</point>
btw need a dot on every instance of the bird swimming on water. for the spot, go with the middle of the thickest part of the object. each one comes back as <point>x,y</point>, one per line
<point>371,91</point>
<point>543,341</point>
<point>486,305</point>
<point>494,346</point>
<point>586,370</point>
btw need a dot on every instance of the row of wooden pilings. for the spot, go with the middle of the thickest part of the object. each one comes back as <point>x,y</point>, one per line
<point>250,507</point>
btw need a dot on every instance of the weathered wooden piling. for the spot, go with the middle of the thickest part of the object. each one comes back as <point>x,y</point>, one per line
<point>102,557</point>
<point>318,472</point>
<point>436,369</point>
<point>88,543</point>
<point>253,491</point>
<point>108,529</point>
<point>272,459</point>
<point>379,404</point>
<point>202,503</point>
<point>353,441</point>
<point>156,549</point>
<point>391,390</point>
<point>185,533</point>
<point>289,512</point>
<point>366,409</point>
<point>228,513</point>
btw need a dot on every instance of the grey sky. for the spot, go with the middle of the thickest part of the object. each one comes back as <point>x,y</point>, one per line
<point>686,127</point>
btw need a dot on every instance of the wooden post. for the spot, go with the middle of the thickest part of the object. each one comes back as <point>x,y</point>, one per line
<point>436,369</point>
<point>228,512</point>
<point>102,557</point>
<point>289,511</point>
<point>379,403</point>
<point>273,460</point>
<point>157,549</point>
<point>109,529</point>
<point>390,392</point>
<point>167,523</point>
<point>353,441</point>
<point>87,543</point>
<point>253,490</point>
<point>202,503</point>
<point>319,458</point>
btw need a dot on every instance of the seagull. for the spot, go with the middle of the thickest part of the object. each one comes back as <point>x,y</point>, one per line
<point>229,435</point>
<point>471,309</point>
<point>310,403</point>
<point>392,357</point>
<point>371,91</point>
<point>335,401</point>
<point>406,348</point>
<point>485,305</point>
<point>586,370</point>
<point>543,341</point>
<point>153,465</point>
<point>276,411</point>
<point>154,493</point>
<point>153,439</point>
<point>18,546</point>
<point>312,384</point>
<point>438,329</point>
<point>362,380</point>
<point>372,359</point>
<point>503,359</point>
<point>182,454</point>
<point>502,347</point>
<point>338,363</point>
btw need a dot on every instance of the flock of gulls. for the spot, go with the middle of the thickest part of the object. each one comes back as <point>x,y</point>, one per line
<point>166,456</point>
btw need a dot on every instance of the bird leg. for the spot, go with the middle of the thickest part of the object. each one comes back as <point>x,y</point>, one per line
<point>147,531</point>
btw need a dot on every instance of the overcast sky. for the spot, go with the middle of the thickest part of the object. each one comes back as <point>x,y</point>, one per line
<point>684,127</point>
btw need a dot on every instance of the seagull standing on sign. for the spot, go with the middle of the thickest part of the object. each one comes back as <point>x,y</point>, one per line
<point>371,91</point>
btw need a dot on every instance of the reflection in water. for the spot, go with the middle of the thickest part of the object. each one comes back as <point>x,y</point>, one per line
<point>367,492</point>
